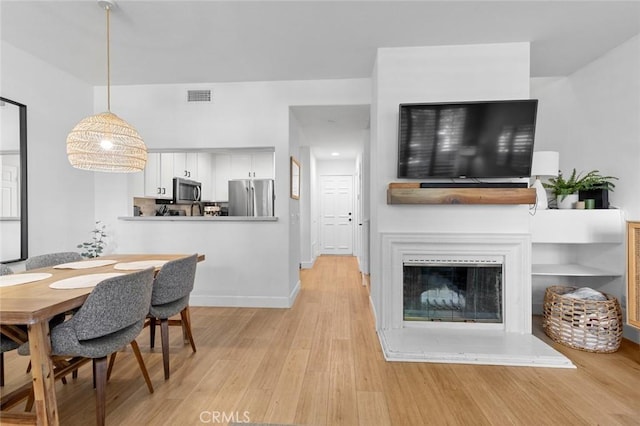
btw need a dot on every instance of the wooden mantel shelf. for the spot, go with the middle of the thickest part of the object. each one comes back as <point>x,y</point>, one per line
<point>411,193</point>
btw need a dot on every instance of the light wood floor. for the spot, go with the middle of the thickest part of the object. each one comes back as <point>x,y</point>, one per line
<point>320,363</point>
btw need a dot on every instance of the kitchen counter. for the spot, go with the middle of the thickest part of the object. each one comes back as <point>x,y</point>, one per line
<point>200,218</point>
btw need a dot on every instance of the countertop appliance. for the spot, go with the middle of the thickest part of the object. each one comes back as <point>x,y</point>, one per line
<point>251,197</point>
<point>212,210</point>
<point>186,191</point>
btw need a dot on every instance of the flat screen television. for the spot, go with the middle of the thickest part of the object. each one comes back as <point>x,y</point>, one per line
<point>488,139</point>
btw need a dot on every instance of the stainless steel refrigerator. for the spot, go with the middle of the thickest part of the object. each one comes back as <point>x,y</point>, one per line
<point>251,197</point>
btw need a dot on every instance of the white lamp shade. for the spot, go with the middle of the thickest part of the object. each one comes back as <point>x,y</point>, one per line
<point>545,163</point>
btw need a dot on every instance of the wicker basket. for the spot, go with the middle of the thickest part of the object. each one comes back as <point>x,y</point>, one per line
<point>588,325</point>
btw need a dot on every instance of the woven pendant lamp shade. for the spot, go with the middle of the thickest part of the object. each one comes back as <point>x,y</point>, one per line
<point>106,143</point>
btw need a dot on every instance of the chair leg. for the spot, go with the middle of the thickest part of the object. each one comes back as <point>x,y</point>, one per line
<point>1,369</point>
<point>112,361</point>
<point>30,400</point>
<point>143,368</point>
<point>186,326</point>
<point>152,332</point>
<point>164,334</point>
<point>100,368</point>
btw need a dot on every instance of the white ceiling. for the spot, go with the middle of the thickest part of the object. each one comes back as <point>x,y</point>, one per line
<point>154,42</point>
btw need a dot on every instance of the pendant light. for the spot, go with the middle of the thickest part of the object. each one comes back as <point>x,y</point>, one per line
<point>104,142</point>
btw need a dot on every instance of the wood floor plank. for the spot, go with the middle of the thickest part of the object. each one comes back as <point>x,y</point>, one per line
<point>320,364</point>
<point>284,400</point>
<point>314,399</point>
<point>342,390</point>
<point>372,409</point>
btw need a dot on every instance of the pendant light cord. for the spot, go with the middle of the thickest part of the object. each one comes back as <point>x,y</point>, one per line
<point>108,64</point>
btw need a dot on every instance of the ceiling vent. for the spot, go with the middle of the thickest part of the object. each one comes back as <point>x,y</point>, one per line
<point>199,96</point>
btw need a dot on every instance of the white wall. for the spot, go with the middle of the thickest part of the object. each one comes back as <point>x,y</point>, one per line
<point>314,209</point>
<point>336,167</point>
<point>252,114</point>
<point>431,74</point>
<point>552,126</point>
<point>295,222</point>
<point>306,250</point>
<point>61,210</point>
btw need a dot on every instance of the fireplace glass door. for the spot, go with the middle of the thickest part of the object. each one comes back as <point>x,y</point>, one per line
<point>452,292</point>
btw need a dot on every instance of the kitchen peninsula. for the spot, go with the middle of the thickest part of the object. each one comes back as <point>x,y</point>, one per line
<point>244,264</point>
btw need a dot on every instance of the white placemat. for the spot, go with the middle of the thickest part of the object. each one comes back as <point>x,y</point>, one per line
<point>139,265</point>
<point>85,264</point>
<point>15,279</point>
<point>83,281</point>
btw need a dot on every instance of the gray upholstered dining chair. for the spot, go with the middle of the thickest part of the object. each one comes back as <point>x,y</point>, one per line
<point>6,345</point>
<point>51,259</point>
<point>171,290</point>
<point>45,261</point>
<point>5,270</point>
<point>112,317</point>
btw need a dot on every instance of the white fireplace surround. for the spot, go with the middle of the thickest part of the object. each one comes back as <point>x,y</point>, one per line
<point>509,343</point>
<point>513,249</point>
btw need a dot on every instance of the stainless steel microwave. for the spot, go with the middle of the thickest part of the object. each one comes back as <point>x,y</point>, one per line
<point>186,191</point>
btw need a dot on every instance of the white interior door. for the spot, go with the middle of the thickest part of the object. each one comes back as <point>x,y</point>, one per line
<point>336,215</point>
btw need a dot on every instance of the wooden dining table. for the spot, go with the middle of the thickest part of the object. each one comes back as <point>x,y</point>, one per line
<point>34,304</point>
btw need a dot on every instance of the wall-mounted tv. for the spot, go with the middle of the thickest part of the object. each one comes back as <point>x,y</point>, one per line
<point>488,139</point>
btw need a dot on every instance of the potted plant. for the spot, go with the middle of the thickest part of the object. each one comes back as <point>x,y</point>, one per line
<point>92,249</point>
<point>566,190</point>
<point>597,187</point>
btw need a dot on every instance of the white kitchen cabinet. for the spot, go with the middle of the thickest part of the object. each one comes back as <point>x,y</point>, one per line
<point>185,165</point>
<point>242,165</point>
<point>262,165</point>
<point>252,165</point>
<point>205,175</point>
<point>158,175</point>
<point>580,248</point>
<point>222,174</point>
<point>213,170</point>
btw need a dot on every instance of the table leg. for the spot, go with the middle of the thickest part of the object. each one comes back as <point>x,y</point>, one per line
<point>42,373</point>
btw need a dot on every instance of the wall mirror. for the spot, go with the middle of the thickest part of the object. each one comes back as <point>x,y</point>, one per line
<point>13,175</point>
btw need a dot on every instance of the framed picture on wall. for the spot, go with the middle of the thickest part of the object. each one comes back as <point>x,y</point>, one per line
<point>295,179</point>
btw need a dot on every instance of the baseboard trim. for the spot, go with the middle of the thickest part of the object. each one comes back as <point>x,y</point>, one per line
<point>372,306</point>
<point>241,301</point>
<point>308,264</point>
<point>246,301</point>
<point>294,294</point>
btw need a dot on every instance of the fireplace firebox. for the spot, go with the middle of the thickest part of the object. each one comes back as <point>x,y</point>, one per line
<point>453,290</point>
